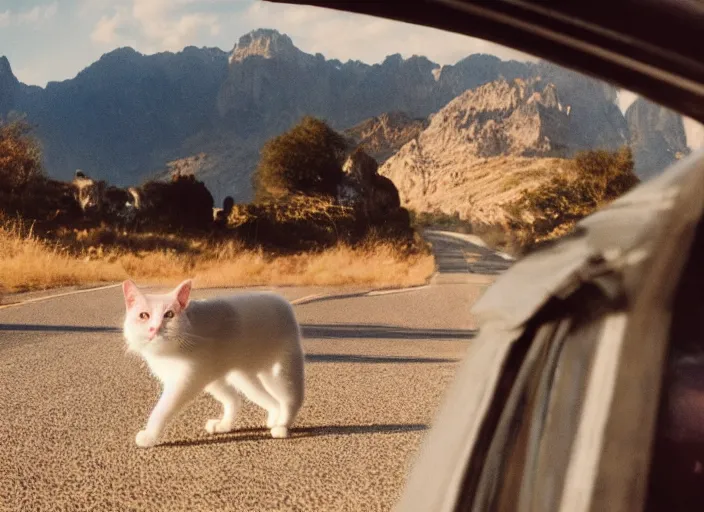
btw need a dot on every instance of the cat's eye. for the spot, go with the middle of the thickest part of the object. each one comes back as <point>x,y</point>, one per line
<point>144,315</point>
<point>169,314</point>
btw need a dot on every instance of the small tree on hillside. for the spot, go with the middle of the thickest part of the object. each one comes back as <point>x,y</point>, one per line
<point>595,178</point>
<point>603,175</point>
<point>307,160</point>
<point>20,156</point>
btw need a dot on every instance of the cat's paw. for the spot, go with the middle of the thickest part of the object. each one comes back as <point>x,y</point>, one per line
<point>216,426</point>
<point>271,418</point>
<point>279,432</point>
<point>145,439</point>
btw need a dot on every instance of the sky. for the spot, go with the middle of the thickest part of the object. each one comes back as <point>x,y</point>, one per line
<point>52,40</point>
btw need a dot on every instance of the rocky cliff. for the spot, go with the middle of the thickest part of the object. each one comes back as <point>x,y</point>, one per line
<point>381,137</point>
<point>483,149</point>
<point>595,120</point>
<point>9,86</point>
<point>657,137</point>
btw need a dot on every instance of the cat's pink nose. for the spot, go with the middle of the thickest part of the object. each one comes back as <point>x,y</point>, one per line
<point>152,332</point>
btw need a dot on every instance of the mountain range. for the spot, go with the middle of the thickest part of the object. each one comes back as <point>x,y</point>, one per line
<point>124,117</point>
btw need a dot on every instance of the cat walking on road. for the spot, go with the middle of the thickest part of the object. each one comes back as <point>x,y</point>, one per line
<point>247,342</point>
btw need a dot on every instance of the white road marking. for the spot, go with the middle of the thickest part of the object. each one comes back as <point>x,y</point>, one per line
<point>74,292</point>
<point>308,298</point>
<point>397,290</point>
<point>372,293</point>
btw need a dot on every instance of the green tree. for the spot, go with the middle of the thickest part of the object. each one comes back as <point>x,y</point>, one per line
<point>20,156</point>
<point>307,160</point>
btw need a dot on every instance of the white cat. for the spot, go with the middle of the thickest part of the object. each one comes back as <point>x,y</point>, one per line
<point>249,342</point>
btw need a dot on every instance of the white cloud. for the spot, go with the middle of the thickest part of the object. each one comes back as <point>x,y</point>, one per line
<point>35,16</point>
<point>158,24</point>
<point>185,30</point>
<point>38,13</point>
<point>90,8</point>
<point>172,24</point>
<point>150,10</point>
<point>105,31</point>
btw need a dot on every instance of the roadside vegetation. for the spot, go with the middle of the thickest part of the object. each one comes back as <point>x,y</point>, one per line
<point>295,233</point>
<point>321,216</point>
<point>29,262</point>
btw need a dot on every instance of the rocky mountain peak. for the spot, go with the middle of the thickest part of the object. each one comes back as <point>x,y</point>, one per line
<point>267,43</point>
<point>549,97</point>
<point>521,117</point>
<point>5,68</point>
<point>501,126</point>
<point>395,58</point>
<point>8,86</point>
<point>383,135</point>
<point>123,54</point>
<point>7,77</point>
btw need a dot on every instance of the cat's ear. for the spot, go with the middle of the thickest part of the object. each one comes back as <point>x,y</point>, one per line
<point>131,293</point>
<point>183,292</point>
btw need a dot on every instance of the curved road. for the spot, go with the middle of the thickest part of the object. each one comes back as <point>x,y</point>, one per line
<point>71,403</point>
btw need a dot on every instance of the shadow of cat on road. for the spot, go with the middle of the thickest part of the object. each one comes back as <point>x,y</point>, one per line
<point>262,434</point>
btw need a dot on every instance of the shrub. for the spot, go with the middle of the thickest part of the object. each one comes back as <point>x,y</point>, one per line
<point>440,220</point>
<point>296,223</point>
<point>594,178</point>
<point>184,203</point>
<point>20,157</point>
<point>20,167</point>
<point>307,159</point>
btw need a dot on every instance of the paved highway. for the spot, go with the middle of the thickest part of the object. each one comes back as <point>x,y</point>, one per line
<point>71,402</point>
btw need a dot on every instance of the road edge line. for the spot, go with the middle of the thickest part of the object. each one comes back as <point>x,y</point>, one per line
<point>74,292</point>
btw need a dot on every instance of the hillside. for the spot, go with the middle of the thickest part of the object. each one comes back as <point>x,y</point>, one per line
<point>479,192</point>
<point>483,149</point>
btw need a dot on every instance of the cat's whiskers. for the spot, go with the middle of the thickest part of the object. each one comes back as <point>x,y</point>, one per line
<point>189,345</point>
<point>187,340</point>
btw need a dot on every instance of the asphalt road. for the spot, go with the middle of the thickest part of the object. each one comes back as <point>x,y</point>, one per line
<point>71,402</point>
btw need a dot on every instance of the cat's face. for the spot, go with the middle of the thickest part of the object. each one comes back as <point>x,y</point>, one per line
<point>148,318</point>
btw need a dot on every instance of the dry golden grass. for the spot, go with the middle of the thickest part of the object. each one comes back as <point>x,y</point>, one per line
<point>29,263</point>
<point>378,265</point>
